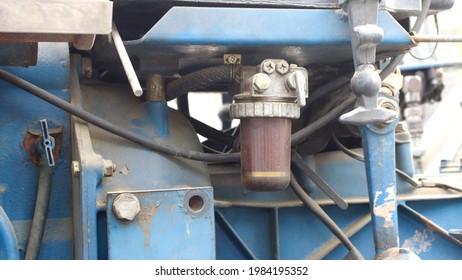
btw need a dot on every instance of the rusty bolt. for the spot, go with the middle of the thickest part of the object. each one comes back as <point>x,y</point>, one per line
<point>269,67</point>
<point>109,168</point>
<point>282,67</point>
<point>87,68</point>
<point>126,207</point>
<point>261,82</point>
<point>75,168</point>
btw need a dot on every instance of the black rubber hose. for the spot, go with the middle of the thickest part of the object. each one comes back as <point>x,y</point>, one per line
<point>211,133</point>
<point>119,131</point>
<point>41,211</point>
<point>323,217</point>
<point>199,80</point>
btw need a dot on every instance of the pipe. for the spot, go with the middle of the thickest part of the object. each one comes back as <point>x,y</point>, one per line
<point>8,242</point>
<point>41,211</point>
<point>199,80</point>
<point>126,63</point>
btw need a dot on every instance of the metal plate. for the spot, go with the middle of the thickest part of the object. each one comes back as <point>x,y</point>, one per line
<point>172,224</point>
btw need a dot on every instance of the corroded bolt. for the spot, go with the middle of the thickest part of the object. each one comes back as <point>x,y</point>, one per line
<point>87,68</point>
<point>126,207</point>
<point>75,168</point>
<point>269,67</point>
<point>261,82</point>
<point>109,168</point>
<point>231,59</point>
<point>282,67</point>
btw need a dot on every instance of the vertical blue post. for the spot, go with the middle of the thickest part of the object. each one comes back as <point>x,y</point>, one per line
<point>8,243</point>
<point>379,155</point>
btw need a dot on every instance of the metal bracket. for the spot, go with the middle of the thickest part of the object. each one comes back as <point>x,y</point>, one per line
<point>48,142</point>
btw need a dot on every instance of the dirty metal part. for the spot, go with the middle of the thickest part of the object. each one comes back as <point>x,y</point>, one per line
<point>18,54</point>
<point>48,142</point>
<point>365,36</point>
<point>232,59</point>
<point>75,168</point>
<point>164,228</point>
<point>126,207</point>
<point>87,68</point>
<point>109,168</point>
<point>379,154</point>
<point>155,88</point>
<point>126,62</point>
<point>33,138</point>
<point>401,254</point>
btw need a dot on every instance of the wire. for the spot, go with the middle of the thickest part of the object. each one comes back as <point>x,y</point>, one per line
<point>436,44</point>
<point>210,132</point>
<point>358,157</point>
<point>303,133</point>
<point>323,217</point>
<point>119,131</point>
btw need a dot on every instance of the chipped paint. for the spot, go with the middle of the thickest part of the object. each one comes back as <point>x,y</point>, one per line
<point>124,170</point>
<point>420,242</point>
<point>385,206</point>
<point>144,221</point>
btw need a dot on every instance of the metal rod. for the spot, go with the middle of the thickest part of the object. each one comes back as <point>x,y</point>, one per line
<point>41,211</point>
<point>436,39</point>
<point>429,224</point>
<point>126,63</point>
<point>334,242</point>
<point>274,224</point>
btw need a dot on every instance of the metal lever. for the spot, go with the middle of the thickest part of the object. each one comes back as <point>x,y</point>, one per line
<point>297,81</point>
<point>48,142</point>
<point>365,36</point>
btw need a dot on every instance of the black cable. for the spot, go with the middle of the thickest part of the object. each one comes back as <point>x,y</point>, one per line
<point>303,133</point>
<point>319,182</point>
<point>210,132</point>
<point>357,157</point>
<point>124,133</point>
<point>323,217</point>
<point>41,211</point>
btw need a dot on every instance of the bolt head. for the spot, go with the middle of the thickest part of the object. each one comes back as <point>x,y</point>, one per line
<point>269,67</point>
<point>109,168</point>
<point>261,82</point>
<point>126,207</point>
<point>282,67</point>
<point>75,168</point>
<point>232,59</point>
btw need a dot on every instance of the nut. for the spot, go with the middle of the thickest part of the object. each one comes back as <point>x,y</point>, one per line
<point>75,168</point>
<point>261,82</point>
<point>109,168</point>
<point>126,207</point>
<point>282,67</point>
<point>269,66</point>
<point>87,68</point>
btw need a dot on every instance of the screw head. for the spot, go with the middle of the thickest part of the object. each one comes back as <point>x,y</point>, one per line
<point>232,59</point>
<point>282,67</point>
<point>269,66</point>
<point>261,82</point>
<point>126,207</point>
<point>109,168</point>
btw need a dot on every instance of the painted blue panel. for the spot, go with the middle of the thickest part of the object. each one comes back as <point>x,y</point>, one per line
<point>164,229</point>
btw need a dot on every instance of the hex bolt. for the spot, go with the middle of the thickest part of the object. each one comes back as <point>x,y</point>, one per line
<point>282,67</point>
<point>269,67</point>
<point>126,207</point>
<point>109,168</point>
<point>261,82</point>
<point>75,168</point>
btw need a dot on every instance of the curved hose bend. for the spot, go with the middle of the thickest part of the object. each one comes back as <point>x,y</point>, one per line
<point>199,80</point>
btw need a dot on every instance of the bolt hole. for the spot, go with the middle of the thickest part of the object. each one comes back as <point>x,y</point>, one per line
<point>196,203</point>
<point>46,142</point>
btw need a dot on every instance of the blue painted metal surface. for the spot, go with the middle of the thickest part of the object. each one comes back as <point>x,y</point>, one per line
<point>169,226</point>
<point>297,35</point>
<point>379,155</point>
<point>8,242</point>
<point>18,175</point>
